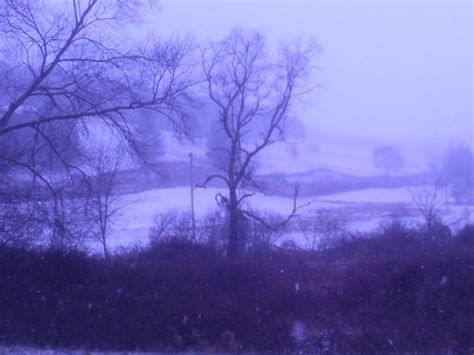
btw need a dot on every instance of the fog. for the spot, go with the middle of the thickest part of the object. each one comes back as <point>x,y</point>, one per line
<point>390,71</point>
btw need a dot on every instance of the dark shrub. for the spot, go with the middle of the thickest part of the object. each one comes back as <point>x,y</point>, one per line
<point>466,235</point>
<point>439,232</point>
<point>386,293</point>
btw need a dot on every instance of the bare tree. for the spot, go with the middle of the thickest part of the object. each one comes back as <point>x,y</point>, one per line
<point>429,198</point>
<point>171,225</point>
<point>327,227</point>
<point>458,170</point>
<point>60,212</point>
<point>103,200</point>
<point>70,61</point>
<point>67,218</point>
<point>252,89</point>
<point>65,66</point>
<point>388,158</point>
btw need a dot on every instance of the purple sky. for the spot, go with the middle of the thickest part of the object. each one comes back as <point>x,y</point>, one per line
<point>397,71</point>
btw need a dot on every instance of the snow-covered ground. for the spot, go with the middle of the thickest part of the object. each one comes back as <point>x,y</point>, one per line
<point>136,217</point>
<point>360,211</point>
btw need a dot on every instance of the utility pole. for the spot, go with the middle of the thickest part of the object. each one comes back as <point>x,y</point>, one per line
<point>192,195</point>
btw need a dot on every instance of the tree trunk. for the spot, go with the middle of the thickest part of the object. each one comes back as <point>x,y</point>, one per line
<point>235,248</point>
<point>106,252</point>
<point>103,232</point>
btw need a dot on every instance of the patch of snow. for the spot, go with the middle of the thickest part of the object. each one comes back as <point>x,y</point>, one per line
<point>298,331</point>
<point>375,195</point>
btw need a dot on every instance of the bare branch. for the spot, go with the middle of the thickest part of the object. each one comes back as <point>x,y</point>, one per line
<point>213,177</point>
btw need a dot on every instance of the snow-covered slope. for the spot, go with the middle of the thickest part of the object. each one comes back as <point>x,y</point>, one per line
<point>343,155</point>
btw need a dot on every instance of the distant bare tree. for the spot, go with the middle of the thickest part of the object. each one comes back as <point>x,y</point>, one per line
<point>214,229</point>
<point>103,200</point>
<point>252,89</point>
<point>429,198</point>
<point>458,170</point>
<point>324,229</point>
<point>387,158</point>
<point>262,236</point>
<point>64,218</point>
<point>149,138</point>
<point>171,225</point>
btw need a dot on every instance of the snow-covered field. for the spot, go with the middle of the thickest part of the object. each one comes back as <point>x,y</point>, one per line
<point>136,217</point>
<point>360,211</point>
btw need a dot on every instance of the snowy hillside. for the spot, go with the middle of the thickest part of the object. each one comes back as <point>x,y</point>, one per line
<point>347,156</point>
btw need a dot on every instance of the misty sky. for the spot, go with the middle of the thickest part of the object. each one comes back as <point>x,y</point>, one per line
<point>396,71</point>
